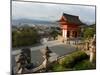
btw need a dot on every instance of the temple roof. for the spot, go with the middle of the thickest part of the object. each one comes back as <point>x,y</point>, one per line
<point>71,19</point>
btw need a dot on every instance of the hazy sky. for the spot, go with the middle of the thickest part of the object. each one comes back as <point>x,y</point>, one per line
<point>51,12</point>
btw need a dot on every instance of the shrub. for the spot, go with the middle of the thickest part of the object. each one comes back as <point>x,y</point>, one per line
<point>75,61</point>
<point>58,67</point>
<point>84,65</point>
<point>71,59</point>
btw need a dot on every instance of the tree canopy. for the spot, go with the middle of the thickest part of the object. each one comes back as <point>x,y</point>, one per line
<point>89,31</point>
<point>24,37</point>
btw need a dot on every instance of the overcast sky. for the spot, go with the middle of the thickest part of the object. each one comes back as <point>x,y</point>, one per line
<point>51,12</point>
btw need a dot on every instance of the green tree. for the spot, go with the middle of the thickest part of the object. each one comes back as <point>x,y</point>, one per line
<point>54,32</point>
<point>24,37</point>
<point>88,32</point>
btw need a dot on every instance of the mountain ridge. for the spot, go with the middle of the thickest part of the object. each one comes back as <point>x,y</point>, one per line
<point>31,21</point>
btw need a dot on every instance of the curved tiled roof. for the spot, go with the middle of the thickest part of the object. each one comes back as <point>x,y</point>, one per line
<point>72,19</point>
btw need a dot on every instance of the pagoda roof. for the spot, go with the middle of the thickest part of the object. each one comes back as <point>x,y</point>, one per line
<point>71,19</point>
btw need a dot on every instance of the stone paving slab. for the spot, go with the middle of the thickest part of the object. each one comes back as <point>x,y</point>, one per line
<point>58,51</point>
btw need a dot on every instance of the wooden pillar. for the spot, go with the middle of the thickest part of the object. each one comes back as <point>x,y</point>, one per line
<point>78,34</point>
<point>71,34</point>
<point>64,33</point>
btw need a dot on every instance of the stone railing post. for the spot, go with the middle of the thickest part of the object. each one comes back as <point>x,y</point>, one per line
<point>46,54</point>
<point>93,49</point>
<point>23,59</point>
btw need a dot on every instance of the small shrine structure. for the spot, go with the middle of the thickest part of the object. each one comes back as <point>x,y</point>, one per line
<point>70,26</point>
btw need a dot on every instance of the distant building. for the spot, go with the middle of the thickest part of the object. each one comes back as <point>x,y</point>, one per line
<point>70,25</point>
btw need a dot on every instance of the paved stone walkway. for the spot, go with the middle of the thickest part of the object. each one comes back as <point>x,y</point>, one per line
<point>58,50</point>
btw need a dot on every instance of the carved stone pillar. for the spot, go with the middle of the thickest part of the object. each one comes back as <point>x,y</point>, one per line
<point>91,54</point>
<point>45,62</point>
<point>46,54</point>
<point>93,50</point>
<point>22,60</point>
